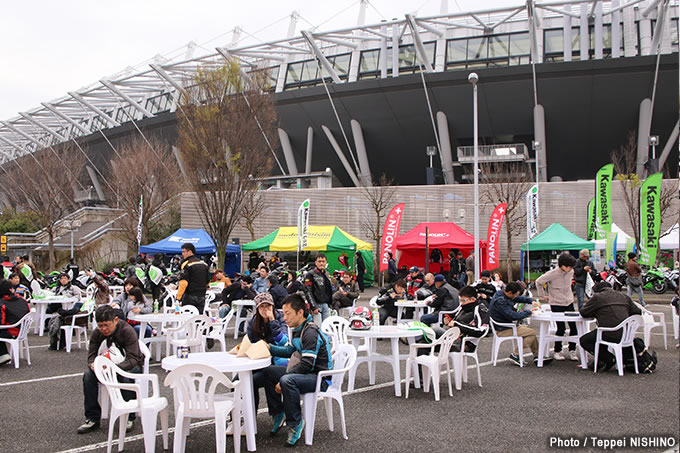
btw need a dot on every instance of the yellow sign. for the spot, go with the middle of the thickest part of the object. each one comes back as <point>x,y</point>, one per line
<point>3,248</point>
<point>3,239</point>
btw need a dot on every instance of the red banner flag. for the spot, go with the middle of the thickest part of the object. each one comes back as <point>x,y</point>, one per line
<point>494,231</point>
<point>390,233</point>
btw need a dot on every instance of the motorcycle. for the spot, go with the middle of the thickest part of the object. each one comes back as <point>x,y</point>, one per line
<point>613,278</point>
<point>672,276</point>
<point>655,280</point>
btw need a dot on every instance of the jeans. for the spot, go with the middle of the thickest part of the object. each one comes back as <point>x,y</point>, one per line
<point>147,333</point>
<point>637,289</point>
<point>430,318</point>
<point>292,386</point>
<point>462,279</point>
<point>580,292</point>
<point>324,311</point>
<point>93,411</point>
<point>561,326</point>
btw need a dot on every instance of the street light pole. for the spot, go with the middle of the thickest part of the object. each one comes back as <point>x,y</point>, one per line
<point>473,78</point>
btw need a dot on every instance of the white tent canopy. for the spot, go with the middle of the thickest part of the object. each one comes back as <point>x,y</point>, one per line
<point>670,239</point>
<point>601,244</point>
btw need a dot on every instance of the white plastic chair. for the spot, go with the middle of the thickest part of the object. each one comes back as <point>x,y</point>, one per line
<point>218,331</point>
<point>189,309</point>
<point>209,298</point>
<point>148,407</point>
<point>475,341</point>
<point>344,359</point>
<point>347,311</point>
<point>19,345</point>
<point>336,328</point>
<point>651,321</point>
<point>450,313</point>
<point>190,333</point>
<point>194,389</point>
<point>628,328</point>
<point>78,331</point>
<point>676,322</point>
<point>143,385</point>
<point>238,308</point>
<point>496,344</point>
<point>432,363</point>
<point>89,291</point>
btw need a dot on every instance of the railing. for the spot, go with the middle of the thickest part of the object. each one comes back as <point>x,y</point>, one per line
<point>494,153</point>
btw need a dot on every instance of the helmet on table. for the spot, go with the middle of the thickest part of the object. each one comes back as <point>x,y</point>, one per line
<point>361,319</point>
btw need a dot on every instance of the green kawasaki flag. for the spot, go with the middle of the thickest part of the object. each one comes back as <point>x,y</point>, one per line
<point>630,245</point>
<point>650,218</point>
<point>591,219</point>
<point>603,201</point>
<point>610,249</point>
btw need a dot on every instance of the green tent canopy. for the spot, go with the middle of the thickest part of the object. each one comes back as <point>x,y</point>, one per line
<point>557,237</point>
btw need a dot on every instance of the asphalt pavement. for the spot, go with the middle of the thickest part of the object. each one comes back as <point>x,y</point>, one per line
<point>516,410</point>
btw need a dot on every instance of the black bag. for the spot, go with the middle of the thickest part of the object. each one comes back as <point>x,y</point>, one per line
<point>635,281</point>
<point>646,361</point>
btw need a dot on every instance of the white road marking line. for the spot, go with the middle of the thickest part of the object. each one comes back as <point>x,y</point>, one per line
<point>49,378</point>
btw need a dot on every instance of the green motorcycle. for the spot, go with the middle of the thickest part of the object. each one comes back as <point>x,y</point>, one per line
<point>655,280</point>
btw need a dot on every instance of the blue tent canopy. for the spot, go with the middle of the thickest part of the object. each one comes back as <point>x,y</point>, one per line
<point>173,243</point>
<point>232,259</point>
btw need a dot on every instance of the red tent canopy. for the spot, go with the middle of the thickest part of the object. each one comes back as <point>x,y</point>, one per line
<point>443,236</point>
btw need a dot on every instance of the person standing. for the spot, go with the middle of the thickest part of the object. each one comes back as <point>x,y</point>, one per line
<point>193,279</point>
<point>470,268</point>
<point>634,278</point>
<point>391,269</point>
<point>361,270</point>
<point>582,269</point>
<point>318,287</point>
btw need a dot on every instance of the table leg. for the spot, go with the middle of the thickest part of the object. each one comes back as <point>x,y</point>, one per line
<point>371,360</point>
<point>42,313</point>
<point>581,328</point>
<point>353,372</point>
<point>238,319</point>
<point>542,332</point>
<point>458,369</point>
<point>396,371</point>
<point>399,313</point>
<point>248,407</point>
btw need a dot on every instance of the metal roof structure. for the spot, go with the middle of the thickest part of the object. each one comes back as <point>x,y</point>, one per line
<point>599,29</point>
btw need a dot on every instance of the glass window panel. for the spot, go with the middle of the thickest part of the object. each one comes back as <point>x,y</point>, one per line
<point>477,49</point>
<point>407,56</point>
<point>370,61</point>
<point>674,34</point>
<point>294,71</point>
<point>430,48</point>
<point>553,41</point>
<point>498,46</point>
<point>309,71</point>
<point>520,44</point>
<point>607,36</point>
<point>456,50</point>
<point>341,64</point>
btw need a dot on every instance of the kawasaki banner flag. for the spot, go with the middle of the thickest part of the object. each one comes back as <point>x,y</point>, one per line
<point>532,212</point>
<point>303,224</point>
<point>630,246</point>
<point>603,201</point>
<point>610,249</point>
<point>650,218</point>
<point>591,219</point>
<point>139,224</point>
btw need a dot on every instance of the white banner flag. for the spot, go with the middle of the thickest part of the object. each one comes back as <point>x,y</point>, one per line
<point>532,212</point>
<point>303,224</point>
<point>139,224</point>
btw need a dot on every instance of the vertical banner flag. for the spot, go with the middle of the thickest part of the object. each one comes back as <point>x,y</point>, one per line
<point>630,246</point>
<point>603,201</point>
<point>492,235</point>
<point>610,249</point>
<point>650,218</point>
<point>139,224</point>
<point>390,233</point>
<point>532,212</point>
<point>591,219</point>
<point>303,225</point>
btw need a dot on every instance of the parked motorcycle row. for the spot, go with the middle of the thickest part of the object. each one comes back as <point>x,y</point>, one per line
<point>656,279</point>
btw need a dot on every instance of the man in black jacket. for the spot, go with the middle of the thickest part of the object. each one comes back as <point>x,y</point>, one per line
<point>277,291</point>
<point>582,268</point>
<point>193,279</point>
<point>472,319</point>
<point>12,309</point>
<point>120,338</point>
<point>387,296</point>
<point>445,299</point>
<point>318,288</point>
<point>361,270</point>
<point>414,281</point>
<point>485,289</point>
<point>610,308</point>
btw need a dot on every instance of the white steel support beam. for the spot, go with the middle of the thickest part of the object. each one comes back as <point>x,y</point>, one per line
<point>115,90</point>
<point>21,150</point>
<point>47,129</point>
<point>395,50</point>
<point>316,51</point>
<point>616,31</point>
<point>23,134</point>
<point>659,28</point>
<point>360,145</point>
<point>308,155</point>
<point>382,63</point>
<point>165,76</point>
<point>584,32</point>
<point>94,108</point>
<point>597,8</point>
<point>566,32</point>
<point>288,152</point>
<point>66,118</point>
<point>341,156</point>
<point>420,48</point>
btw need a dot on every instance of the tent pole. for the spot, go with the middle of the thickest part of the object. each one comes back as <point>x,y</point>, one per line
<point>427,250</point>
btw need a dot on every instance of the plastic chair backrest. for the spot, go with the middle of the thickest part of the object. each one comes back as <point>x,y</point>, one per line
<point>89,291</point>
<point>445,342</point>
<point>373,302</point>
<point>192,310</point>
<point>194,386</point>
<point>344,358</point>
<point>219,327</point>
<point>630,325</point>
<point>194,328</point>
<point>25,325</point>
<point>336,327</point>
<point>106,372</point>
<point>169,299</point>
<point>147,355</point>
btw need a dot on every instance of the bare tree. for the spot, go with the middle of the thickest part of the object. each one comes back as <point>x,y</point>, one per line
<point>45,182</point>
<point>507,182</point>
<point>253,205</point>
<point>380,197</point>
<point>227,129</point>
<point>148,171</point>
<point>625,161</point>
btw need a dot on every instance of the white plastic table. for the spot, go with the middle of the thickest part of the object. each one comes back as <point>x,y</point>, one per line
<point>229,363</point>
<point>419,305</point>
<point>41,305</point>
<point>394,334</point>
<point>237,305</point>
<point>545,317</point>
<point>158,318</point>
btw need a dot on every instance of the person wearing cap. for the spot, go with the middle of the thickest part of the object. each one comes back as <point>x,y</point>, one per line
<point>582,268</point>
<point>445,299</point>
<point>346,293</point>
<point>485,289</point>
<point>610,308</point>
<point>414,281</point>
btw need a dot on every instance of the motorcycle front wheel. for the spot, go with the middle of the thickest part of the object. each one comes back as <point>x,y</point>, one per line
<point>659,287</point>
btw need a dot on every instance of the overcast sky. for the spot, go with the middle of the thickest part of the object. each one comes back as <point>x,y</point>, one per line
<point>51,47</point>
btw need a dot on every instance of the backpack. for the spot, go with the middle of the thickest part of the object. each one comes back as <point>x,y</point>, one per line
<point>646,361</point>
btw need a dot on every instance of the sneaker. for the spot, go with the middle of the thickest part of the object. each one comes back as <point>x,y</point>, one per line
<point>5,358</point>
<point>89,425</point>
<point>278,423</point>
<point>129,425</point>
<point>515,359</point>
<point>573,355</point>
<point>559,356</point>
<point>295,434</point>
<point>334,312</point>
